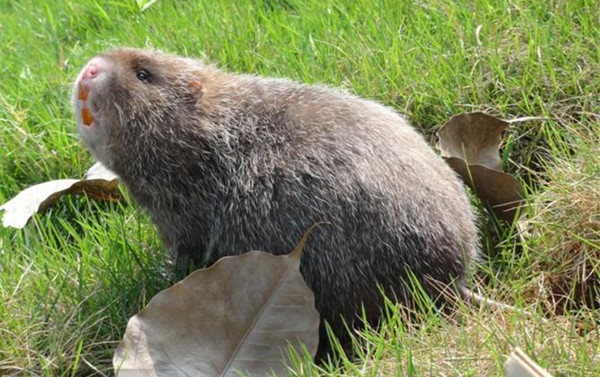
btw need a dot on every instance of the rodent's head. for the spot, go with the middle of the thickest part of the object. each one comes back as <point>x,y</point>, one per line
<point>126,97</point>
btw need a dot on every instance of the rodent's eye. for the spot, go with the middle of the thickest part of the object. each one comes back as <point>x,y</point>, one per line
<point>143,75</point>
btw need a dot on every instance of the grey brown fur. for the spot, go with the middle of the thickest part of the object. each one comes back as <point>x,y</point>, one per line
<point>229,163</point>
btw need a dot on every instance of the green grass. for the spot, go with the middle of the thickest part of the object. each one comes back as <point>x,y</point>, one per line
<point>71,279</point>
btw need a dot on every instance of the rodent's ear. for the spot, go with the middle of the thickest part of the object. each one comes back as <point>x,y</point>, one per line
<point>196,89</point>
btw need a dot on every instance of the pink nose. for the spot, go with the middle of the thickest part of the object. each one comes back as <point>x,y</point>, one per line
<point>93,69</point>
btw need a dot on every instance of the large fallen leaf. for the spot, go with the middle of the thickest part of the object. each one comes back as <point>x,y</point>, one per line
<point>470,144</point>
<point>238,316</point>
<point>99,183</point>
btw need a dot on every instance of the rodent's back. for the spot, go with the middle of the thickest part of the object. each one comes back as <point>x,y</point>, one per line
<point>225,164</point>
<point>299,155</point>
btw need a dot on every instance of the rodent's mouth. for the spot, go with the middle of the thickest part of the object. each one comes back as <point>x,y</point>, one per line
<point>86,114</point>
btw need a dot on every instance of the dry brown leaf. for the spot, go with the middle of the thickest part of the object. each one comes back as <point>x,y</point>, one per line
<point>470,144</point>
<point>100,183</point>
<point>239,315</point>
<point>474,138</point>
<point>519,364</point>
<point>500,191</point>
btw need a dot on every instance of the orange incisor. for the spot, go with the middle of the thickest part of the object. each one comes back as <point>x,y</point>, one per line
<point>83,93</point>
<point>86,116</point>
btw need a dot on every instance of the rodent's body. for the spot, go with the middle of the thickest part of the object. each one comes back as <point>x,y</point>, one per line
<point>226,163</point>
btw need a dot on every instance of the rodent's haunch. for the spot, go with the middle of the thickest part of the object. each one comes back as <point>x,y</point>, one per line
<point>227,163</point>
